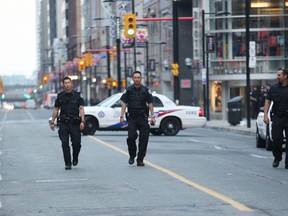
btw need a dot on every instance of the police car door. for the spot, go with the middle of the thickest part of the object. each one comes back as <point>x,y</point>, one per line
<point>113,118</point>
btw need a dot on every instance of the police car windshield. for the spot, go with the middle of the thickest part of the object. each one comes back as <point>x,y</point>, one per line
<point>109,101</point>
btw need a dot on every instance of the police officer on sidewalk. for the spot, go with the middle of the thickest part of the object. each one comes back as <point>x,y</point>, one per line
<point>139,101</point>
<point>71,120</point>
<point>278,93</point>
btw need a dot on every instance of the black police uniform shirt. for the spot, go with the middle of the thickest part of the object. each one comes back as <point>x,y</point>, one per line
<point>137,98</point>
<point>279,95</point>
<point>69,103</point>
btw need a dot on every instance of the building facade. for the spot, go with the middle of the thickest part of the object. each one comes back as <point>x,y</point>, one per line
<point>211,47</point>
<point>225,21</point>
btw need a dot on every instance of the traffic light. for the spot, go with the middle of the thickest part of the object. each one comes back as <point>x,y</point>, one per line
<point>114,84</point>
<point>111,55</point>
<point>175,69</point>
<point>81,65</point>
<point>130,25</point>
<point>88,60</point>
<point>123,83</point>
<point>46,79</point>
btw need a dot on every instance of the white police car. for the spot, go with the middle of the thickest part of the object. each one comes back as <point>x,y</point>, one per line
<point>263,131</point>
<point>170,118</point>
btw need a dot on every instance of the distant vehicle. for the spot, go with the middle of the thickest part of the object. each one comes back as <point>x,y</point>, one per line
<point>263,131</point>
<point>30,104</point>
<point>50,100</point>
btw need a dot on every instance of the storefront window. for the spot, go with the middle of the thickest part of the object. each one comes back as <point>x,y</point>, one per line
<point>268,28</point>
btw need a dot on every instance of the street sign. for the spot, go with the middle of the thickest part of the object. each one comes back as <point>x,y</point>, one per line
<point>252,54</point>
<point>185,83</point>
<point>252,62</point>
<point>204,76</point>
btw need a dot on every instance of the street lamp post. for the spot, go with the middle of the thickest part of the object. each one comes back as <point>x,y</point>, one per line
<point>248,4</point>
<point>108,57</point>
<point>175,50</point>
<point>205,65</point>
<point>147,63</point>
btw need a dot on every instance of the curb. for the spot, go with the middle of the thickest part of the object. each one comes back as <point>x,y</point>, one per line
<point>250,132</point>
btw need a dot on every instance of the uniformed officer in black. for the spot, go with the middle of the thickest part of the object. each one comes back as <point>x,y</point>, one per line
<point>139,101</point>
<point>278,93</point>
<point>71,106</point>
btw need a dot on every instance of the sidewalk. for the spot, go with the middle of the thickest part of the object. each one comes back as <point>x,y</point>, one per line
<point>241,128</point>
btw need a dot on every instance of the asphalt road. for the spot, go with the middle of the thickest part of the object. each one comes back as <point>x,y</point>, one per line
<point>198,172</point>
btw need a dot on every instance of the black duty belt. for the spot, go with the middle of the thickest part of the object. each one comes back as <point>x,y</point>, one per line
<point>73,120</point>
<point>135,113</point>
<point>280,113</point>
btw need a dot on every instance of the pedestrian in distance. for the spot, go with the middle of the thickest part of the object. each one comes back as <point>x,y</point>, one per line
<point>278,93</point>
<point>139,101</point>
<point>71,120</point>
<point>254,100</point>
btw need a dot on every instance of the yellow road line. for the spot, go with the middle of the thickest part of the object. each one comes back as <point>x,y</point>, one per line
<point>206,190</point>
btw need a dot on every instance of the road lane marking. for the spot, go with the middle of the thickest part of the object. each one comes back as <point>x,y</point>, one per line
<point>259,156</point>
<point>59,180</point>
<point>30,115</point>
<point>206,190</point>
<point>1,177</point>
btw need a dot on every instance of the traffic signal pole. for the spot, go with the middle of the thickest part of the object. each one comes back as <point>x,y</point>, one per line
<point>118,44</point>
<point>175,51</point>
<point>134,40</point>
<point>108,56</point>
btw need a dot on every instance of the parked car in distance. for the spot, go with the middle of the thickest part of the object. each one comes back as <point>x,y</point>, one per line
<point>30,104</point>
<point>50,100</point>
<point>263,131</point>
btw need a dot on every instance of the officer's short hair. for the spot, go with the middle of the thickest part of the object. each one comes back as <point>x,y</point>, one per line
<point>285,71</point>
<point>135,72</point>
<point>66,78</point>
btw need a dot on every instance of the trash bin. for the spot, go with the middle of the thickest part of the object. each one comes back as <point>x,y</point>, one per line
<point>235,110</point>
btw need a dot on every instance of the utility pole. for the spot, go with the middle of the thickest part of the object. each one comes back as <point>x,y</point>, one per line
<point>147,63</point>
<point>134,40</point>
<point>175,50</point>
<point>248,4</point>
<point>118,43</point>
<point>108,56</point>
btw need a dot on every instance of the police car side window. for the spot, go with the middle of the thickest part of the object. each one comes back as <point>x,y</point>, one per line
<point>118,103</point>
<point>157,102</point>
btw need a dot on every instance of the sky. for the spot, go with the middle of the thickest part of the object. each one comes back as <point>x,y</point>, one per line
<point>18,37</point>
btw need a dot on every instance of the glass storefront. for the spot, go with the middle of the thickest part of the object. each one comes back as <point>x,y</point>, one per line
<point>268,29</point>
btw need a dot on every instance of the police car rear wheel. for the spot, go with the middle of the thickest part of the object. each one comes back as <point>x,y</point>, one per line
<point>91,126</point>
<point>170,126</point>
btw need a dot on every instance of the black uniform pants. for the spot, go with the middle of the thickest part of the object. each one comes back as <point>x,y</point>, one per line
<point>67,130</point>
<point>140,123</point>
<point>279,125</point>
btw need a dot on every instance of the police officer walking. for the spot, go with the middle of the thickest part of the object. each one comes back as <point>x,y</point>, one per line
<point>71,106</point>
<point>278,93</point>
<point>139,101</point>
